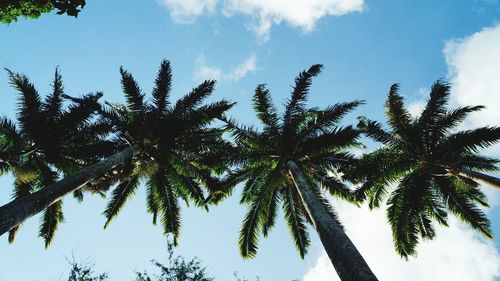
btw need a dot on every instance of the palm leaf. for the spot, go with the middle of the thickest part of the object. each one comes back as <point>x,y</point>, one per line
<point>296,222</point>
<point>161,91</point>
<point>462,207</point>
<point>29,104</point>
<point>399,117</point>
<point>263,106</point>
<point>327,117</point>
<point>406,214</point>
<point>194,98</point>
<point>51,218</point>
<point>53,103</point>
<point>470,140</point>
<point>252,223</point>
<point>169,207</point>
<point>303,82</point>
<point>119,197</point>
<point>133,94</point>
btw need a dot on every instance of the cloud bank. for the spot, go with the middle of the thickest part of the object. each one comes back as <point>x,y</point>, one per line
<point>264,13</point>
<point>474,69</point>
<point>457,253</point>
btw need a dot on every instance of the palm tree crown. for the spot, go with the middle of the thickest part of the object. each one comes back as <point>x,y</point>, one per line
<point>48,141</point>
<point>427,168</point>
<point>180,152</point>
<point>310,137</point>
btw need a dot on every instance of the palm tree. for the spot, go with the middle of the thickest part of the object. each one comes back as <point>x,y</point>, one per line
<point>180,152</point>
<point>428,167</point>
<point>291,161</point>
<point>49,141</point>
<point>171,146</point>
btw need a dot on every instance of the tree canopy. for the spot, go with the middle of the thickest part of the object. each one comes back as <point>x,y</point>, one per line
<point>12,10</point>
<point>424,166</point>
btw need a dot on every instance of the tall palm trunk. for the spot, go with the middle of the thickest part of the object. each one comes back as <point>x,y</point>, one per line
<point>481,178</point>
<point>346,259</point>
<point>19,210</point>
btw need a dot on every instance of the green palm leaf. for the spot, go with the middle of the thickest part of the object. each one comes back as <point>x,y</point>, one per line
<point>121,193</point>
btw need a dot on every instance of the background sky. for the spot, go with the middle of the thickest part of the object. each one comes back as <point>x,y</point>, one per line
<point>364,45</point>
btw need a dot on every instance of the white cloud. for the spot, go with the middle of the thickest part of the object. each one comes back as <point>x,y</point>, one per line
<point>248,66</point>
<point>416,107</point>
<point>457,253</point>
<point>186,11</point>
<point>474,69</point>
<point>203,71</point>
<point>265,13</point>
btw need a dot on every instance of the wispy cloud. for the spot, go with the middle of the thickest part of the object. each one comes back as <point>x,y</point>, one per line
<point>204,71</point>
<point>264,13</point>
<point>186,11</point>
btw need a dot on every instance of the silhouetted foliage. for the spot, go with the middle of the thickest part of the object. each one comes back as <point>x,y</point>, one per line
<point>309,136</point>
<point>48,141</point>
<point>85,272</point>
<point>179,153</point>
<point>426,168</point>
<point>12,10</point>
<point>313,140</point>
<point>177,268</point>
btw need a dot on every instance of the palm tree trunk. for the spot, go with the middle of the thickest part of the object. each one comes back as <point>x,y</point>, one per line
<point>346,259</point>
<point>481,178</point>
<point>19,210</point>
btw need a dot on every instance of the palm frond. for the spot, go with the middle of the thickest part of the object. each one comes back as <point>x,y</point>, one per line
<point>11,138</point>
<point>295,105</point>
<point>188,189</point>
<point>470,140</point>
<point>194,98</point>
<point>407,216</point>
<point>252,223</point>
<point>119,197</point>
<point>263,106</point>
<point>271,212</point>
<point>133,94</point>
<point>29,103</point>
<point>13,233</point>
<point>454,117</point>
<point>475,162</point>
<point>331,141</point>
<point>81,111</point>
<point>296,222</point>
<point>374,130</point>
<point>169,207</point>
<point>435,108</point>
<point>53,102</point>
<point>52,217</point>
<point>462,207</point>
<point>326,118</point>
<point>335,186</point>
<point>161,91</point>
<point>399,117</point>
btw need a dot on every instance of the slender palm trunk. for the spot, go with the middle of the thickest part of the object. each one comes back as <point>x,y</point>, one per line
<point>19,210</point>
<point>346,259</point>
<point>481,178</point>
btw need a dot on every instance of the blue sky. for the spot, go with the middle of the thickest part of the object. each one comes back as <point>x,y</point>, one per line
<point>365,46</point>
